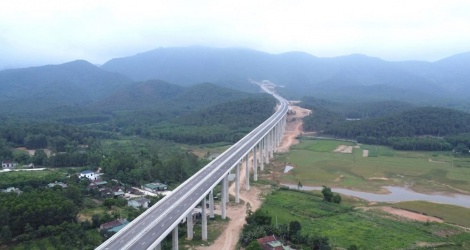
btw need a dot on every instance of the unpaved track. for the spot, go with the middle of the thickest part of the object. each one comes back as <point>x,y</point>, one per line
<point>229,237</point>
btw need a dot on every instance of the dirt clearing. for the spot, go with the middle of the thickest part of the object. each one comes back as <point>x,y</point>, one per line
<point>236,212</point>
<point>410,215</point>
<point>293,127</point>
<point>343,149</point>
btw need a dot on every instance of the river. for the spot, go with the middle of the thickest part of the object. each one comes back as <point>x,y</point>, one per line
<point>397,194</point>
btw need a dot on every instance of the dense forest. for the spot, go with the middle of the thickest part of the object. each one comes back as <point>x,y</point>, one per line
<point>390,123</point>
<point>131,137</point>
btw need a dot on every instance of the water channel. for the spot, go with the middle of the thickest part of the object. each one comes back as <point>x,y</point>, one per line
<point>397,194</point>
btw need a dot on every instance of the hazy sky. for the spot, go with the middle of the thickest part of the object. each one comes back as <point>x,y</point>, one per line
<point>36,32</point>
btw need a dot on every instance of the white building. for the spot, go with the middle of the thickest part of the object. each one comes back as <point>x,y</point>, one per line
<point>88,174</point>
<point>9,164</point>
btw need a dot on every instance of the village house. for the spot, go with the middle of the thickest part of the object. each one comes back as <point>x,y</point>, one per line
<point>12,190</point>
<point>96,184</point>
<point>114,226</point>
<point>53,184</point>
<point>155,187</point>
<point>138,203</point>
<point>271,243</point>
<point>28,166</point>
<point>88,174</point>
<point>9,164</point>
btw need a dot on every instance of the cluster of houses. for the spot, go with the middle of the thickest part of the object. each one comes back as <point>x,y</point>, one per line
<point>7,164</point>
<point>11,190</point>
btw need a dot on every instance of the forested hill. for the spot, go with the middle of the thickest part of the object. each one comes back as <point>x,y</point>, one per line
<point>432,121</point>
<point>39,88</point>
<point>424,128</point>
<point>352,77</point>
<point>225,122</point>
<point>156,94</point>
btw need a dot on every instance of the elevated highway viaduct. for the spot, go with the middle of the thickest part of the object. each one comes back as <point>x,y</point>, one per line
<point>149,229</point>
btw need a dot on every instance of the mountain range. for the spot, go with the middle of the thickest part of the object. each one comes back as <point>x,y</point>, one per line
<point>130,82</point>
<point>302,74</point>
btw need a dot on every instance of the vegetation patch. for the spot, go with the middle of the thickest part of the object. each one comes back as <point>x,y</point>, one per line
<point>449,213</point>
<point>315,166</point>
<point>345,226</point>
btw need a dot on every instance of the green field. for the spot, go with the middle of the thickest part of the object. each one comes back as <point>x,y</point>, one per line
<point>316,164</point>
<point>449,213</point>
<point>370,229</point>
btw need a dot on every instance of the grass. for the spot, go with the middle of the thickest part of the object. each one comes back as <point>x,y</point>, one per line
<point>316,164</point>
<point>214,230</point>
<point>449,213</point>
<point>345,226</point>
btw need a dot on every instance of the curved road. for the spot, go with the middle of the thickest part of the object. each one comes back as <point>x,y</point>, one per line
<point>158,221</point>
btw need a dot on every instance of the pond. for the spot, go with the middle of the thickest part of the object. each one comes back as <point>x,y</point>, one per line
<point>397,194</point>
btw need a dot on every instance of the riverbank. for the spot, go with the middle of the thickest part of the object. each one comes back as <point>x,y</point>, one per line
<point>395,194</point>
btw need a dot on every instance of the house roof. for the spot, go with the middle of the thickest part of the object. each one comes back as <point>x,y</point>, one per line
<point>267,239</point>
<point>86,172</point>
<point>111,224</point>
<point>119,193</point>
<point>271,243</point>
<point>124,222</point>
<point>141,200</point>
<point>155,185</point>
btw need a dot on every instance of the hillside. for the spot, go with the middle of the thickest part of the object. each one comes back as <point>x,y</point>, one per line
<point>352,77</point>
<point>39,88</point>
<point>423,128</point>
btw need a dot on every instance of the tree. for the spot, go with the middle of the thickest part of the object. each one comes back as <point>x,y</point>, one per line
<point>254,245</point>
<point>109,202</point>
<point>39,158</point>
<point>327,194</point>
<point>5,235</point>
<point>294,227</point>
<point>337,198</point>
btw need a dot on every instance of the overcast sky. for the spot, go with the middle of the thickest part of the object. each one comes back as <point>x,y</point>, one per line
<point>49,32</point>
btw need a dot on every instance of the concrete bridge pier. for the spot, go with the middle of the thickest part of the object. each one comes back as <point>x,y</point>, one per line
<point>224,198</point>
<point>174,238</point>
<point>266,149</point>
<point>271,144</point>
<point>211,204</point>
<point>237,183</point>
<point>261,157</point>
<point>247,173</point>
<point>255,167</point>
<point>204,219</point>
<point>227,191</point>
<point>189,223</point>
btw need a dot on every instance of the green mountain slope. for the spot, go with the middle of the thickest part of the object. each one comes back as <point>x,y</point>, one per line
<point>355,77</point>
<point>38,88</point>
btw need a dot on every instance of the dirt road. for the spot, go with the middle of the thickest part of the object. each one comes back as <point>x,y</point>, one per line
<point>229,237</point>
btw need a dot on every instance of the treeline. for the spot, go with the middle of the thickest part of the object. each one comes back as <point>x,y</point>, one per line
<point>32,181</point>
<point>27,212</point>
<point>227,122</point>
<point>259,224</point>
<point>172,167</point>
<point>56,136</point>
<point>424,128</point>
<point>357,110</point>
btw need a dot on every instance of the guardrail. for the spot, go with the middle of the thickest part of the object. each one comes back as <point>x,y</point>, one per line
<point>264,128</point>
